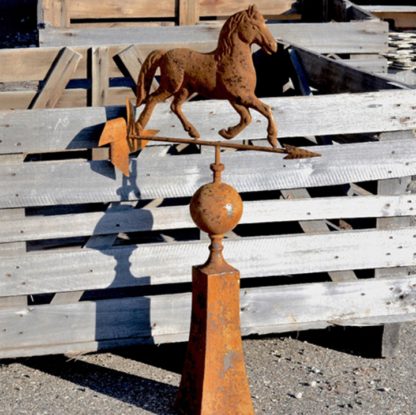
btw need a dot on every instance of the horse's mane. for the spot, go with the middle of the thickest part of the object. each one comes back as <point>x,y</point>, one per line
<point>225,43</point>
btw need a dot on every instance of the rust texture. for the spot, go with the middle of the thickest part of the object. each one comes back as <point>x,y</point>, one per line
<point>225,73</point>
<point>214,379</point>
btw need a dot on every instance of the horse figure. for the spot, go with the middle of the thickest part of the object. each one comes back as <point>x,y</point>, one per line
<point>225,73</point>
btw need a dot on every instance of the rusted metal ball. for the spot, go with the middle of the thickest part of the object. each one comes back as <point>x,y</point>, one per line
<point>216,208</point>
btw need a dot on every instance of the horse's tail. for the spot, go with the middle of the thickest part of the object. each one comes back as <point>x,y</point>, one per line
<point>147,72</point>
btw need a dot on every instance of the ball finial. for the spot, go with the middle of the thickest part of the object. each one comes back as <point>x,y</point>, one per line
<point>216,208</point>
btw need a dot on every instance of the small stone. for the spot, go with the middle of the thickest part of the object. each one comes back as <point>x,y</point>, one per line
<point>313,384</point>
<point>298,395</point>
<point>383,389</point>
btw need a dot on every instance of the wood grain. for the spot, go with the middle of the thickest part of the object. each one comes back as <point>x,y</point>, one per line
<point>57,79</point>
<point>176,217</point>
<point>127,266</point>
<point>58,129</point>
<point>40,330</point>
<point>99,76</point>
<point>40,183</point>
<point>355,37</point>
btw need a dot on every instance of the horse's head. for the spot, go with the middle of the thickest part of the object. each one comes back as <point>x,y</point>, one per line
<point>253,29</point>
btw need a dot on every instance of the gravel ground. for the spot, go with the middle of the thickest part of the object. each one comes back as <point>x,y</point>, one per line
<point>326,372</point>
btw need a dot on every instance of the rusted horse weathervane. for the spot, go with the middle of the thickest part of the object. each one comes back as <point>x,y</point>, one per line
<point>214,380</point>
<point>225,73</point>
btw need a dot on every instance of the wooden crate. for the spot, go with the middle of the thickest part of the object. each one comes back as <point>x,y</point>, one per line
<point>84,71</point>
<point>110,13</point>
<point>92,260</point>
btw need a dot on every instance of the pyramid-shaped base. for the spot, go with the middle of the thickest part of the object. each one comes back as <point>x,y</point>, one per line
<point>214,379</point>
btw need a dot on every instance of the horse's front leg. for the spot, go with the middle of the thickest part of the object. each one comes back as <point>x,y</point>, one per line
<point>245,119</point>
<point>265,110</point>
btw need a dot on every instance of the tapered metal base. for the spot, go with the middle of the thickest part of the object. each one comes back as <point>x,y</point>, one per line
<point>214,379</point>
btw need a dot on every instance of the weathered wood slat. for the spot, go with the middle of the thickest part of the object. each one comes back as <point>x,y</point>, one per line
<point>189,12</point>
<point>58,129</point>
<point>53,329</point>
<point>41,183</point>
<point>317,226</point>
<point>390,339</point>
<point>16,248</point>
<point>168,263</point>
<point>132,58</point>
<point>70,98</point>
<point>177,217</point>
<point>33,64</point>
<point>354,37</point>
<point>374,64</point>
<point>57,79</point>
<point>228,7</point>
<point>93,9</point>
<point>54,12</point>
<point>99,76</point>
<point>335,76</point>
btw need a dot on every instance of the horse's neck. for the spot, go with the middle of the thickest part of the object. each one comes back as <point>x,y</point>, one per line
<point>236,49</point>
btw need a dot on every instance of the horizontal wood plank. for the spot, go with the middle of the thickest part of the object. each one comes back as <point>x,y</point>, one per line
<point>355,37</point>
<point>169,263</point>
<point>58,129</point>
<point>376,8</point>
<point>55,328</point>
<point>41,183</point>
<point>32,228</point>
<point>228,7</point>
<point>374,64</point>
<point>110,9</point>
<point>33,64</point>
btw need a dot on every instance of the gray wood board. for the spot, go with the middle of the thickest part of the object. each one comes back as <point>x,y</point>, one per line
<point>353,37</point>
<point>128,219</point>
<point>73,181</point>
<point>335,76</point>
<point>53,328</point>
<point>377,65</point>
<point>390,8</point>
<point>168,263</point>
<point>59,129</point>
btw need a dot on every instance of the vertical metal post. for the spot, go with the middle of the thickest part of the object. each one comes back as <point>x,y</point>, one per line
<point>214,379</point>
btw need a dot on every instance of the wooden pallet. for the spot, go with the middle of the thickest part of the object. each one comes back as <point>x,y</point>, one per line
<point>79,74</point>
<point>92,260</point>
<point>108,13</point>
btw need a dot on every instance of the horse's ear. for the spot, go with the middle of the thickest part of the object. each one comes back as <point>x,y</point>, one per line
<point>252,9</point>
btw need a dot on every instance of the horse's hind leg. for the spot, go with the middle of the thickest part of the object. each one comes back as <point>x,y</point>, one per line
<point>262,108</point>
<point>158,96</point>
<point>245,119</point>
<point>180,97</point>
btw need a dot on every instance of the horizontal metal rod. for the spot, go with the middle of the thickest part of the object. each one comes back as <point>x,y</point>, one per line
<point>210,143</point>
